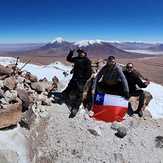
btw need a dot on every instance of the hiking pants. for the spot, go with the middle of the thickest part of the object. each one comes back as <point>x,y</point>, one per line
<point>141,95</point>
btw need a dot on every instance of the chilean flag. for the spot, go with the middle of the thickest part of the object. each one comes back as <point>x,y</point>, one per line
<point>109,108</point>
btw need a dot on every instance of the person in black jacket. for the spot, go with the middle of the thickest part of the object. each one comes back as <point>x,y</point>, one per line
<point>134,80</point>
<point>81,73</point>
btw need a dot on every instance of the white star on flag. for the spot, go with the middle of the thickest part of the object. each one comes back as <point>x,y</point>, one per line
<point>98,98</point>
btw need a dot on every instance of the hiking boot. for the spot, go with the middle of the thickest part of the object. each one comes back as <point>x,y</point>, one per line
<point>73,113</point>
<point>140,113</point>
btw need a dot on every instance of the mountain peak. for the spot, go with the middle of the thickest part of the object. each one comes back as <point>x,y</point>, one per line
<point>85,43</point>
<point>58,40</point>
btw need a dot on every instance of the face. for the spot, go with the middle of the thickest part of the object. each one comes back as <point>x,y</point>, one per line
<point>111,62</point>
<point>81,54</point>
<point>129,67</point>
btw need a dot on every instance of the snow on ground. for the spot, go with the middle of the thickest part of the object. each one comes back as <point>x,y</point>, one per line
<point>57,68</point>
<point>48,71</point>
<point>10,139</point>
<point>156,104</point>
<point>145,52</point>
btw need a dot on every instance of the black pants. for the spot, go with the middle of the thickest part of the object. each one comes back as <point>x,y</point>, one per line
<point>141,95</point>
<point>73,93</point>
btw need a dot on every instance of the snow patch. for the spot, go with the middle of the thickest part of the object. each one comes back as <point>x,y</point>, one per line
<point>156,104</point>
<point>58,40</point>
<point>15,141</point>
<point>85,43</point>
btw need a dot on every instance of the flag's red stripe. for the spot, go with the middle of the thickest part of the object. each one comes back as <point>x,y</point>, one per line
<point>109,113</point>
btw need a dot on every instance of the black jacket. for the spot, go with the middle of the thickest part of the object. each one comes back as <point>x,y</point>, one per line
<point>133,79</point>
<point>82,66</point>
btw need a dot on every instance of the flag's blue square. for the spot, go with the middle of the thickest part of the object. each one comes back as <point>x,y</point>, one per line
<point>99,98</point>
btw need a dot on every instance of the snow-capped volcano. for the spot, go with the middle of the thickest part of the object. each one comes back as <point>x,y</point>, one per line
<point>85,43</point>
<point>58,40</point>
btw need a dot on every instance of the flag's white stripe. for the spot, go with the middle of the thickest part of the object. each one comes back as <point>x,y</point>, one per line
<point>115,100</point>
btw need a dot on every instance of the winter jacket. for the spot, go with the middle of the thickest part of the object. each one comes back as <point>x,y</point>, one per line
<point>113,76</point>
<point>82,66</point>
<point>134,80</point>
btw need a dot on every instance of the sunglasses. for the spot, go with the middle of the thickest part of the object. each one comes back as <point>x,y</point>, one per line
<point>129,67</point>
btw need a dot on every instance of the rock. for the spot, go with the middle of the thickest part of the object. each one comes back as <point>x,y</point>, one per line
<point>10,96</point>
<point>44,100</point>
<point>148,98</point>
<point>40,111</point>
<point>159,141</point>
<point>5,70</point>
<point>135,101</point>
<point>1,83</point>
<point>31,77</point>
<point>23,96</point>
<point>10,83</point>
<point>41,86</point>
<point>37,87</point>
<point>1,93</point>
<point>96,131</point>
<point>8,156</point>
<point>55,80</point>
<point>121,132</point>
<point>20,79</point>
<point>27,119</point>
<point>44,80</point>
<point>10,115</point>
<point>115,125</point>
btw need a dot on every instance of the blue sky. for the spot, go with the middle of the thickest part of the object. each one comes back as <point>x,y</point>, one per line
<point>43,20</point>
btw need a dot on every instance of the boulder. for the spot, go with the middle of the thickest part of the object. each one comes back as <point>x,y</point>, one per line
<point>27,119</point>
<point>10,115</point>
<point>121,132</point>
<point>10,96</point>
<point>5,70</point>
<point>41,86</point>
<point>37,86</point>
<point>10,83</point>
<point>23,96</point>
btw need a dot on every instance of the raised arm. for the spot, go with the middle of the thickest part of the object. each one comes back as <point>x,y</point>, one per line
<point>69,57</point>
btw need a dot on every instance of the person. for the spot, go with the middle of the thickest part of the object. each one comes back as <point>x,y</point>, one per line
<point>134,79</point>
<point>112,79</point>
<point>81,73</point>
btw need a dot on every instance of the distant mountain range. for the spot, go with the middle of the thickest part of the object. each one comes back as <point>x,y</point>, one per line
<point>95,48</point>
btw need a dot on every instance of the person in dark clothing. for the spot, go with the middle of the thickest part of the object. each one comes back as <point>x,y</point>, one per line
<point>134,80</point>
<point>81,73</point>
<point>112,80</point>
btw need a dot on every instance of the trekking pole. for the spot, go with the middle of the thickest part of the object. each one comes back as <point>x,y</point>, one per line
<point>25,64</point>
<point>15,67</point>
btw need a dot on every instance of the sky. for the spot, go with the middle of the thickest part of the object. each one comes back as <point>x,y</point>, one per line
<point>25,21</point>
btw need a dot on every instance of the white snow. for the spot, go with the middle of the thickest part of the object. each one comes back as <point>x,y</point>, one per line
<point>145,52</point>
<point>10,139</point>
<point>48,71</point>
<point>57,69</point>
<point>156,104</point>
<point>85,43</point>
<point>58,40</point>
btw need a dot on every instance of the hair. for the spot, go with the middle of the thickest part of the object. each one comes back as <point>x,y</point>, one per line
<point>111,58</point>
<point>129,64</point>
